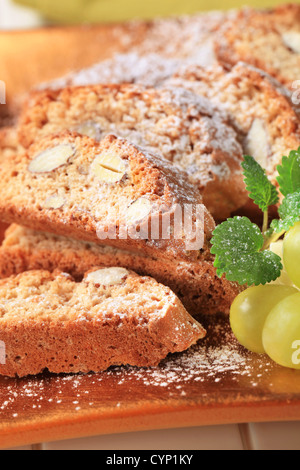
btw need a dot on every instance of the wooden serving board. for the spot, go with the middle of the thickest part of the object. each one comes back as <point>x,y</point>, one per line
<point>216,382</point>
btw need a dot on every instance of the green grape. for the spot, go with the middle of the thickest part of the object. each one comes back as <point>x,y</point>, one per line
<point>249,312</point>
<point>291,254</point>
<point>284,279</point>
<point>281,332</point>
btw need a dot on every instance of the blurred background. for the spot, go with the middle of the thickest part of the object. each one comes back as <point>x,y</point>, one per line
<point>31,56</point>
<point>23,14</point>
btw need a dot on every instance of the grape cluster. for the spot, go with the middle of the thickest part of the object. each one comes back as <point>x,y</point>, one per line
<point>266,319</point>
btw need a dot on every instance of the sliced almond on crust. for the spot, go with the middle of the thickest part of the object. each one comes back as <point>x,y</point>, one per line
<point>54,202</point>
<point>51,159</point>
<point>108,168</point>
<point>138,211</point>
<point>107,276</point>
<point>257,144</point>
<point>292,40</point>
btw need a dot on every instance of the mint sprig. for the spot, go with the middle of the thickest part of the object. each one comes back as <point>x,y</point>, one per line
<point>289,173</point>
<point>260,188</point>
<point>289,213</point>
<point>238,246</point>
<point>241,249</point>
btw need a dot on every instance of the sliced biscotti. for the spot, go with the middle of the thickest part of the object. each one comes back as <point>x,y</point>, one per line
<point>110,192</point>
<point>175,123</point>
<point>187,37</point>
<point>198,287</point>
<point>155,57</point>
<point>113,317</point>
<point>267,39</point>
<point>150,69</point>
<point>259,109</point>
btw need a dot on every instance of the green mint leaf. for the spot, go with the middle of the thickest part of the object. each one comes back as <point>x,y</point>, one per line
<point>289,173</point>
<point>260,188</point>
<point>237,244</point>
<point>255,269</point>
<point>236,235</point>
<point>269,232</point>
<point>289,213</point>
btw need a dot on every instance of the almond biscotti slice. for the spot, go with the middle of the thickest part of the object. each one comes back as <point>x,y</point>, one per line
<point>175,123</point>
<point>188,37</point>
<point>267,39</point>
<point>110,192</point>
<point>259,109</point>
<point>198,287</point>
<point>113,317</point>
<point>150,69</point>
<point>155,57</point>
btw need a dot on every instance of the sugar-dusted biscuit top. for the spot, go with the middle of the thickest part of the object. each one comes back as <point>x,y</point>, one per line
<point>186,129</point>
<point>72,185</point>
<point>267,39</point>
<point>259,108</point>
<point>112,317</point>
<point>165,44</point>
<point>150,69</point>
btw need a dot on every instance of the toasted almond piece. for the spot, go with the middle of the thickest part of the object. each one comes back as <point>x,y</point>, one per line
<point>90,129</point>
<point>292,40</point>
<point>54,202</point>
<point>51,159</point>
<point>138,210</point>
<point>257,144</point>
<point>107,276</point>
<point>108,168</point>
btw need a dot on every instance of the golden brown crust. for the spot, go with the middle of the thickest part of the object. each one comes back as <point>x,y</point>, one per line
<point>50,321</point>
<point>198,287</point>
<point>182,127</point>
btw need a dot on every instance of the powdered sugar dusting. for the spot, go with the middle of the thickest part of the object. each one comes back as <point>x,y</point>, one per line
<point>166,46</point>
<point>150,70</point>
<point>186,37</point>
<point>215,370</point>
